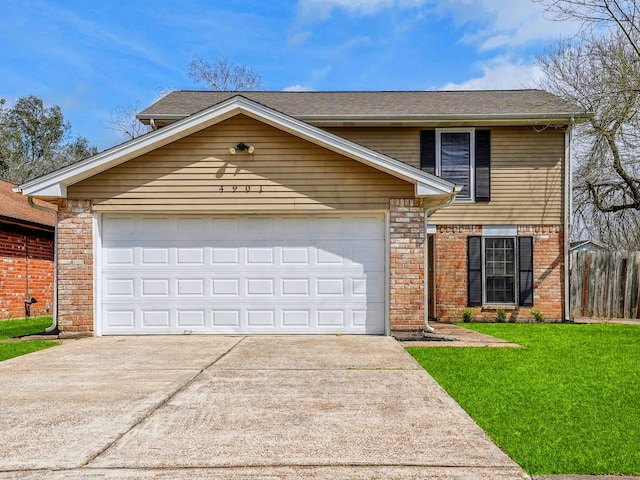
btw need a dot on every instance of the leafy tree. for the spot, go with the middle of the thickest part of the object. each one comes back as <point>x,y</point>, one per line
<point>223,75</point>
<point>599,69</point>
<point>34,140</point>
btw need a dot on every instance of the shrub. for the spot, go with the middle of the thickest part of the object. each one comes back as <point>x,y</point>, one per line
<point>537,315</point>
<point>467,315</point>
<point>501,315</point>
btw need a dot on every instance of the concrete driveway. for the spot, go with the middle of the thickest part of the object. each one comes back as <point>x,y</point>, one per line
<point>235,407</point>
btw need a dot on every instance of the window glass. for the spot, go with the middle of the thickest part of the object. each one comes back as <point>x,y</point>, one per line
<point>500,270</point>
<point>455,159</point>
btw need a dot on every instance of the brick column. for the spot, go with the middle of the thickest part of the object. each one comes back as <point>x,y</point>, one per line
<point>75,267</point>
<point>406,285</point>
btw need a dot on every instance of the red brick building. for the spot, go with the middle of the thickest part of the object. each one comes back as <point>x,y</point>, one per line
<point>26,255</point>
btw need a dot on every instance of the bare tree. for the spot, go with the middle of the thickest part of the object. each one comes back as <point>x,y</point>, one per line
<point>125,123</point>
<point>223,75</point>
<point>599,70</point>
<point>617,15</point>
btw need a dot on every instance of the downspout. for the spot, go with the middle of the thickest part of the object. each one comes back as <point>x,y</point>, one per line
<point>428,211</point>
<point>54,325</point>
<point>568,211</point>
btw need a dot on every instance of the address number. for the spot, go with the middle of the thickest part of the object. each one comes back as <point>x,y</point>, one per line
<point>241,188</point>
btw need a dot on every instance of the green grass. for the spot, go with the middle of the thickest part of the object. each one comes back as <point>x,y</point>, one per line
<point>19,328</point>
<point>568,403</point>
<point>15,349</point>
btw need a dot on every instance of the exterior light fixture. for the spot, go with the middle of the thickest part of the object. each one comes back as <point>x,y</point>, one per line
<point>240,147</point>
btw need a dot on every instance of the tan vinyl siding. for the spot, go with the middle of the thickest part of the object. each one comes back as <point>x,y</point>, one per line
<point>526,181</point>
<point>526,173</point>
<point>401,143</point>
<point>198,173</point>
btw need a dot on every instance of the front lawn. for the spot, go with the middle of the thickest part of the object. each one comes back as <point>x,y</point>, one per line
<point>19,328</point>
<point>22,326</point>
<point>566,404</point>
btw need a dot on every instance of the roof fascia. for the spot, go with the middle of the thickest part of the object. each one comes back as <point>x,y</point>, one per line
<point>561,118</point>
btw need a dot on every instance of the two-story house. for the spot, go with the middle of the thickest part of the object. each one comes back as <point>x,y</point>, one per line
<point>318,212</point>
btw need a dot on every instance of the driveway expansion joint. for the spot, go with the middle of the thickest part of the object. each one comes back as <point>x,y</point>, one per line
<point>159,405</point>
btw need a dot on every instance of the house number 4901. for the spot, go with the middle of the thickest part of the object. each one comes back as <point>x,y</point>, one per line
<point>236,188</point>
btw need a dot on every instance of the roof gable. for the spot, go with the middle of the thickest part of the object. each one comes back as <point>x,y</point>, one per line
<point>55,184</point>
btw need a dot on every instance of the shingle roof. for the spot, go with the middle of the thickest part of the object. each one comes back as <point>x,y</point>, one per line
<point>498,103</point>
<point>14,206</point>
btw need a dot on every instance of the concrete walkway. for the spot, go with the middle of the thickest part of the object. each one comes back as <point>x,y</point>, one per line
<point>184,407</point>
<point>449,335</point>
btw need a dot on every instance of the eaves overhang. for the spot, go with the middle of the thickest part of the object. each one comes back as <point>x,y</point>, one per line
<point>540,119</point>
<point>559,118</point>
<point>55,184</point>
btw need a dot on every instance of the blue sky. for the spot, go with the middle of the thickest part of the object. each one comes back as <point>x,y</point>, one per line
<point>91,57</point>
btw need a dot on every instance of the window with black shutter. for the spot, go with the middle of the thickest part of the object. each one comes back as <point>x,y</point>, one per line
<point>474,262</point>
<point>500,270</point>
<point>462,156</point>
<point>525,271</point>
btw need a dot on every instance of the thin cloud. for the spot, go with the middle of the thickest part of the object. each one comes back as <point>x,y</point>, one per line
<point>300,37</point>
<point>298,88</point>
<point>322,9</point>
<point>501,74</point>
<point>494,24</point>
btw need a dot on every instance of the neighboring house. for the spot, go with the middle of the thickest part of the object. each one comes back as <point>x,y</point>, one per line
<point>589,245</point>
<point>318,212</point>
<point>26,255</point>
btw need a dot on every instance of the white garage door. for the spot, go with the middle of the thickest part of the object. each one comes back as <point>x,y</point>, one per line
<point>242,274</point>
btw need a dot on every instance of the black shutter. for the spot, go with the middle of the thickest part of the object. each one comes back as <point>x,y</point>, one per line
<point>525,269</point>
<point>474,270</point>
<point>483,165</point>
<point>428,151</point>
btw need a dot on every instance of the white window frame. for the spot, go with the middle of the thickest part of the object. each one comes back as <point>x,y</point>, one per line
<point>472,159</point>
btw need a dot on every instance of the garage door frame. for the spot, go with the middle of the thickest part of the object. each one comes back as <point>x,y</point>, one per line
<point>98,258</point>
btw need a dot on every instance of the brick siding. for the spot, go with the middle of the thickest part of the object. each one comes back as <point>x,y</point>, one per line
<point>26,266</point>
<point>451,273</point>
<point>75,266</point>
<point>406,282</point>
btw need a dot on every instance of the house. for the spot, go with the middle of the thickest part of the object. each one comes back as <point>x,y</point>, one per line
<point>26,255</point>
<point>318,212</point>
<point>588,245</point>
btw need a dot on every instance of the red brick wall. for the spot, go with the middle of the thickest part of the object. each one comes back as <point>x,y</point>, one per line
<point>25,252</point>
<point>451,270</point>
<point>406,283</point>
<point>75,266</point>
<point>451,273</point>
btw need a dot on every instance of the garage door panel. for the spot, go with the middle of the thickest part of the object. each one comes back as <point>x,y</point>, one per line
<point>298,274</point>
<point>189,319</point>
<point>249,318</point>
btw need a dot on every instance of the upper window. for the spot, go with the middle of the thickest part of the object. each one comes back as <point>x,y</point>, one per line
<point>455,159</point>
<point>462,156</point>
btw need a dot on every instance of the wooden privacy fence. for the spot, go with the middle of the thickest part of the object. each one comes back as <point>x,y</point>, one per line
<point>605,284</point>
